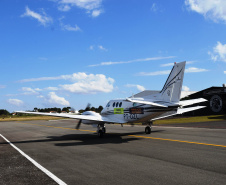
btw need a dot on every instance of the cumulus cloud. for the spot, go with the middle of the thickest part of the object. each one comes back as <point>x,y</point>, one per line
<point>43,18</point>
<point>224,72</point>
<point>15,102</point>
<point>52,99</point>
<point>92,7</point>
<point>139,87</point>
<point>96,13</point>
<point>219,52</point>
<point>89,84</point>
<point>212,9</point>
<point>30,91</point>
<point>131,61</point>
<point>82,83</point>
<point>185,88</point>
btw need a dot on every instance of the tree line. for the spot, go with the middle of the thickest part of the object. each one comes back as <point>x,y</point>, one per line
<point>4,112</point>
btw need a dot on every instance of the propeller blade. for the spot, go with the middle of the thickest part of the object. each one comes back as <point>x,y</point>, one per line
<point>79,124</point>
<point>88,107</point>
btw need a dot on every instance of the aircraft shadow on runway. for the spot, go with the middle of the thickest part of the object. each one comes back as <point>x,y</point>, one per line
<point>87,139</point>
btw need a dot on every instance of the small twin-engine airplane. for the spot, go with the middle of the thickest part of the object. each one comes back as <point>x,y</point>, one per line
<point>140,110</point>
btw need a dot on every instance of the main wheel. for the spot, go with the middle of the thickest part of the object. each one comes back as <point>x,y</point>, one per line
<point>147,130</point>
<point>100,133</point>
<point>104,130</point>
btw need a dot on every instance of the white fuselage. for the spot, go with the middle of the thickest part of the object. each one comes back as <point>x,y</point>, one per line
<point>131,112</point>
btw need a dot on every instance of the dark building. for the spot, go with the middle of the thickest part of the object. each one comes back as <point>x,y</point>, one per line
<point>216,103</point>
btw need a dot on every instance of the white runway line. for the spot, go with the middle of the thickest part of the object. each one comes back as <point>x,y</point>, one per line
<point>47,172</point>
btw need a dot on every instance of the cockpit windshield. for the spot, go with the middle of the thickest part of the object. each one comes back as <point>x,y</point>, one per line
<point>108,105</point>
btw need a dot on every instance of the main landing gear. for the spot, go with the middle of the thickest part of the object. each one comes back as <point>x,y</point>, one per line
<point>148,128</point>
<point>101,130</point>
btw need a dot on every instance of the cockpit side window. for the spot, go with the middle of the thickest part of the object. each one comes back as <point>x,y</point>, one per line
<point>114,104</point>
<point>117,104</point>
<point>120,104</point>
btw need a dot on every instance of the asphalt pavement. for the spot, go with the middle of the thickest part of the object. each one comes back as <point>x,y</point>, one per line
<point>169,155</point>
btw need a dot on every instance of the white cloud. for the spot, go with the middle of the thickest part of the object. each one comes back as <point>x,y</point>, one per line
<point>89,84</point>
<point>42,18</point>
<point>166,65</point>
<point>224,72</point>
<point>70,28</point>
<point>102,48</point>
<point>172,64</point>
<point>195,70</point>
<point>156,73</point>
<point>219,52</point>
<point>212,9</point>
<point>15,102</point>
<point>53,99</point>
<point>64,8</point>
<point>83,83</point>
<point>185,88</point>
<point>131,61</point>
<point>96,13</point>
<point>139,87</point>
<point>2,86</point>
<point>91,6</point>
<point>154,7</point>
<point>30,91</point>
<point>91,47</point>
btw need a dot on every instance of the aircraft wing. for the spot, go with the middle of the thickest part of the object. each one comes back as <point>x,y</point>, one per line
<point>95,118</point>
<point>146,102</point>
<point>178,111</point>
<point>191,102</point>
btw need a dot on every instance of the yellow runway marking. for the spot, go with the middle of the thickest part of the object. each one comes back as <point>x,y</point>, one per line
<point>180,141</point>
<point>156,138</point>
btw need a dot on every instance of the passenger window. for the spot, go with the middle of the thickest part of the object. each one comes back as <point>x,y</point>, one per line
<point>117,104</point>
<point>120,104</point>
<point>114,104</point>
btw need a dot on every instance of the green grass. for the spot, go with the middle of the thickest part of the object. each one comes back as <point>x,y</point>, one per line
<point>28,118</point>
<point>191,119</point>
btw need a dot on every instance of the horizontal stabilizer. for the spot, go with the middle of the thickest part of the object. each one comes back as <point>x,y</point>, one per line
<point>179,111</point>
<point>191,102</point>
<point>145,102</point>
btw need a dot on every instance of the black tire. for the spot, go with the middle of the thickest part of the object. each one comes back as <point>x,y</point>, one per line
<point>147,130</point>
<point>216,104</point>
<point>104,130</point>
<point>100,133</point>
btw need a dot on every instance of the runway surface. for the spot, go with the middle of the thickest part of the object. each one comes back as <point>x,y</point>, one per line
<point>169,155</point>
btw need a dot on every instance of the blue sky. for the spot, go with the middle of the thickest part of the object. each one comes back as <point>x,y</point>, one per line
<point>71,52</point>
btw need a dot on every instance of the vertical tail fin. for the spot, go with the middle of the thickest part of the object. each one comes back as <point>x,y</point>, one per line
<point>171,91</point>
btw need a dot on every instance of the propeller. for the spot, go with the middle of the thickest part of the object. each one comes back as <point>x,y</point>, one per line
<point>80,121</point>
<point>79,124</point>
<point>88,106</point>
